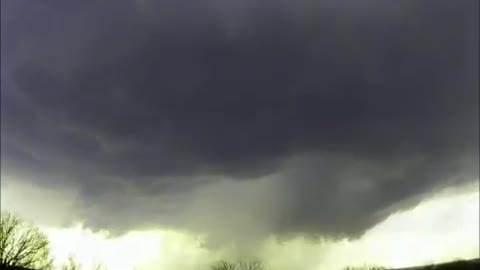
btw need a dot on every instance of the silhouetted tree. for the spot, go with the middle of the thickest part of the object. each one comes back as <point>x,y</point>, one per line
<point>225,265</point>
<point>366,267</point>
<point>251,265</point>
<point>22,245</point>
<point>71,264</point>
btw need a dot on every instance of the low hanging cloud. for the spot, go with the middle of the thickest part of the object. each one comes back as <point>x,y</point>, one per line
<point>240,119</point>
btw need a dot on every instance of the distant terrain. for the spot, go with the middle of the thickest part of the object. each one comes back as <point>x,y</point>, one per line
<point>456,265</point>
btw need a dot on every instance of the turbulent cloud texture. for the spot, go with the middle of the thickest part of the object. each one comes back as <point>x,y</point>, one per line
<point>240,118</point>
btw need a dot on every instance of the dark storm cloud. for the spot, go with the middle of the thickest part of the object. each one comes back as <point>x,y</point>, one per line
<point>354,107</point>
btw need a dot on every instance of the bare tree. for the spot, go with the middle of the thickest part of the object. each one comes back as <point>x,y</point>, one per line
<point>71,264</point>
<point>99,266</point>
<point>365,267</point>
<point>22,244</point>
<point>251,265</point>
<point>242,265</point>
<point>224,265</point>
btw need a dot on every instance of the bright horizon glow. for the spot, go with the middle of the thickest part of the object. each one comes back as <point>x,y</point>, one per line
<point>440,229</point>
<point>134,250</point>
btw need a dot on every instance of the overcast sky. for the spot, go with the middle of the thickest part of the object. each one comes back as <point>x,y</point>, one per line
<point>241,120</point>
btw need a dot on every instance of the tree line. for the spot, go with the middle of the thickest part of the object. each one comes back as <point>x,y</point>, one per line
<point>23,246</point>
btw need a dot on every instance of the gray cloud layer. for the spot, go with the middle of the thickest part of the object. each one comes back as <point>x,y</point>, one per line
<point>284,116</point>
